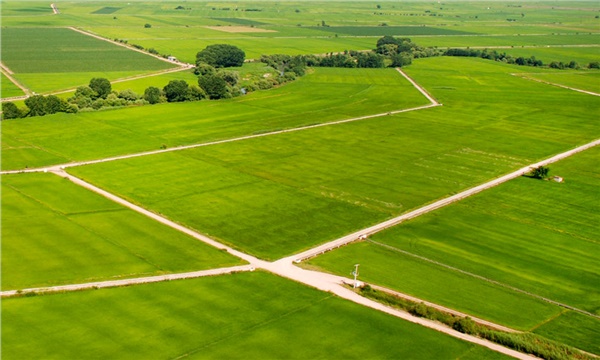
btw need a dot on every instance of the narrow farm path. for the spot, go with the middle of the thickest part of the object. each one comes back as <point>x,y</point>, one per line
<point>325,282</point>
<point>184,65</point>
<point>482,278</point>
<point>432,206</point>
<point>133,281</point>
<point>524,76</point>
<point>129,78</point>
<point>321,281</point>
<point>432,103</point>
<point>285,267</point>
<point>9,75</point>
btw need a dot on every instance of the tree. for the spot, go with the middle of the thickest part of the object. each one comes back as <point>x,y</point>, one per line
<point>231,77</point>
<point>101,86</point>
<point>204,69</point>
<point>147,26</point>
<point>55,104</point>
<point>221,55</point>
<point>11,111</point>
<point>214,86</point>
<point>176,90</point>
<point>152,95</point>
<point>128,95</point>
<point>196,93</point>
<point>400,60</point>
<point>36,105</point>
<point>540,172</point>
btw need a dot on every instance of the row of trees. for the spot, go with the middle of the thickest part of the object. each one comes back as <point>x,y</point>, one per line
<point>390,51</point>
<point>520,60</point>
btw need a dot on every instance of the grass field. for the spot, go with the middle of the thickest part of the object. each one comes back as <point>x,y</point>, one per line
<point>284,193</point>
<point>246,315</point>
<point>55,232</point>
<point>538,236</point>
<point>69,58</point>
<point>326,95</point>
<point>277,195</point>
<point>588,81</point>
<point>9,89</point>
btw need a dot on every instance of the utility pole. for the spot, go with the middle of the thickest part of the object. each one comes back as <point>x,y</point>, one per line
<point>355,273</point>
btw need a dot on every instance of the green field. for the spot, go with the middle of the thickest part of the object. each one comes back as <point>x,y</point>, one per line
<point>246,315</point>
<point>537,236</point>
<point>55,233</point>
<point>281,194</point>
<point>69,58</point>
<point>9,89</point>
<point>326,95</point>
<point>276,195</point>
<point>588,81</point>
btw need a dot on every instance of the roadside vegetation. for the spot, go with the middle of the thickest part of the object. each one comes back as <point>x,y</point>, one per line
<point>524,342</point>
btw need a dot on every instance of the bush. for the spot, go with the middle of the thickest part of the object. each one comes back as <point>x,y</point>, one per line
<point>11,111</point>
<point>147,26</point>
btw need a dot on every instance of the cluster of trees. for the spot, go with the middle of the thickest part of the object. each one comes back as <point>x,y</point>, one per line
<point>37,105</point>
<point>221,55</point>
<point>390,51</point>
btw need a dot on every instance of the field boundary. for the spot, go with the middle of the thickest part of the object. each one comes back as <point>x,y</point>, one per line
<point>432,103</point>
<point>364,233</point>
<point>524,76</point>
<point>84,32</point>
<point>483,278</point>
<point>9,75</point>
<point>127,282</point>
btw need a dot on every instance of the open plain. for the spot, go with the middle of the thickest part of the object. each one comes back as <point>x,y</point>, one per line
<point>228,196</point>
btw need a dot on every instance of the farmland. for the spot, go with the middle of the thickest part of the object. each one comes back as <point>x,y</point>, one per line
<point>82,57</point>
<point>62,138</point>
<point>250,314</point>
<point>55,233</point>
<point>9,89</point>
<point>285,182</point>
<point>272,173</point>
<point>537,236</point>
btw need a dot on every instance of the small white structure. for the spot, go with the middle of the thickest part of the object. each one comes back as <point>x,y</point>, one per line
<point>362,237</point>
<point>171,58</point>
<point>558,179</point>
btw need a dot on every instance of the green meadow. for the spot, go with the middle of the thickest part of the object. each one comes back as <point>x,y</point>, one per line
<point>536,236</point>
<point>245,315</point>
<point>276,195</point>
<point>55,232</point>
<point>324,96</point>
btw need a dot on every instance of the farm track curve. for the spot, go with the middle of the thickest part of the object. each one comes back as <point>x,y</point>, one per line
<point>285,267</point>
